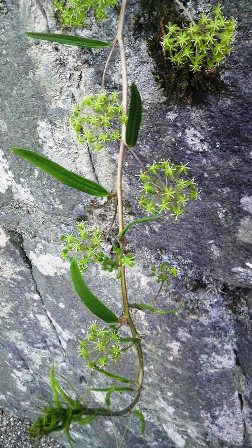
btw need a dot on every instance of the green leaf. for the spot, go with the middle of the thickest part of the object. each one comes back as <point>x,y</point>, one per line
<point>57,390</point>
<point>60,173</point>
<point>111,375</point>
<point>132,340</point>
<point>107,399</point>
<point>134,117</point>
<point>152,309</point>
<point>69,40</point>
<point>88,298</point>
<point>140,415</point>
<point>138,221</point>
<point>112,388</point>
<point>53,383</point>
<point>84,421</point>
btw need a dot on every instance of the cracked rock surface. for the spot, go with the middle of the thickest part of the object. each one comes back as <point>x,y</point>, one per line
<point>198,386</point>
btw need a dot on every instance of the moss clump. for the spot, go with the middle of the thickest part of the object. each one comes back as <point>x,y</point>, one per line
<point>73,13</point>
<point>179,82</point>
<point>202,45</point>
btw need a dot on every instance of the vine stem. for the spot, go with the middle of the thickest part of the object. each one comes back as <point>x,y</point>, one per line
<point>120,202</point>
<point>107,62</point>
<point>119,192</point>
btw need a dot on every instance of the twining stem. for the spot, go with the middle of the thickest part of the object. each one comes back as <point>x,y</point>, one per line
<point>119,192</point>
<point>120,211</point>
<point>112,222</point>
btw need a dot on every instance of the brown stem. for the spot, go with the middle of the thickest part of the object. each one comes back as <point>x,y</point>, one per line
<point>121,210</point>
<point>139,161</point>
<point>112,222</point>
<point>158,293</point>
<point>108,61</point>
<point>82,410</point>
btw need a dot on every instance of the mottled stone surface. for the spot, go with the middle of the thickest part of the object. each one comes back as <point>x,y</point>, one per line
<point>198,363</point>
<point>14,434</point>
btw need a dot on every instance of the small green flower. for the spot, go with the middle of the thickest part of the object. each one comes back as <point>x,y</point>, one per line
<point>173,271</point>
<point>177,211</point>
<point>115,352</point>
<point>82,230</point>
<point>163,273</point>
<point>90,365</point>
<point>102,334</point>
<point>88,243</point>
<point>127,260</point>
<point>100,345</point>
<point>84,353</point>
<point>114,336</point>
<point>103,361</point>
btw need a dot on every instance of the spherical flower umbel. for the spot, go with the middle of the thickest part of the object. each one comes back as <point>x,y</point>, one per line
<point>166,187</point>
<point>100,346</point>
<point>97,120</point>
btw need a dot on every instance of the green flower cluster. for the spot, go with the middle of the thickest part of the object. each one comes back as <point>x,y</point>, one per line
<point>74,12</point>
<point>164,272</point>
<point>88,244</point>
<point>203,45</point>
<point>166,187</point>
<point>97,119</point>
<point>100,346</point>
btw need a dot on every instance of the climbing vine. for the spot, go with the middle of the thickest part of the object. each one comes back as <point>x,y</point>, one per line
<point>165,189</point>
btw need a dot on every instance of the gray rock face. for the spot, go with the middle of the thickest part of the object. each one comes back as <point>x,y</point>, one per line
<point>198,387</point>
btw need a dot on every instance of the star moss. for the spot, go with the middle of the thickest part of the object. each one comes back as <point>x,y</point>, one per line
<point>73,13</point>
<point>203,45</point>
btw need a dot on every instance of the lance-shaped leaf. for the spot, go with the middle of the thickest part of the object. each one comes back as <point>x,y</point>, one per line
<point>152,309</point>
<point>110,390</point>
<point>88,298</point>
<point>132,340</point>
<point>134,116</point>
<point>83,421</point>
<point>58,391</point>
<point>140,415</point>
<point>60,173</point>
<point>111,375</point>
<point>138,221</point>
<point>114,389</point>
<point>69,40</point>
